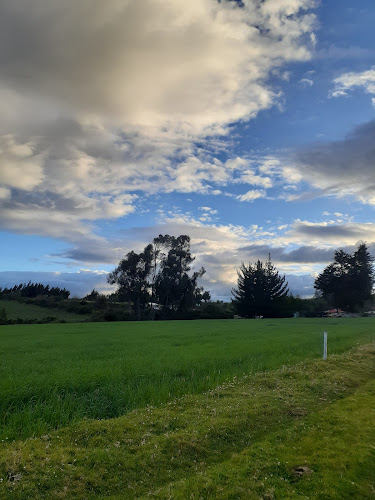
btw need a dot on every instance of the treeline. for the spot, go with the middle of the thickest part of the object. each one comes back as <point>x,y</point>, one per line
<point>158,283</point>
<point>32,290</point>
<point>109,308</point>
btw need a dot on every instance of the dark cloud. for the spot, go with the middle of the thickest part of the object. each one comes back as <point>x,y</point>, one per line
<point>94,255</point>
<point>342,234</point>
<point>304,254</point>
<point>302,285</point>
<point>345,167</point>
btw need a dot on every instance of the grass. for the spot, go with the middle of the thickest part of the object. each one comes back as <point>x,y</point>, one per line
<point>299,432</point>
<point>54,375</point>
<point>15,309</point>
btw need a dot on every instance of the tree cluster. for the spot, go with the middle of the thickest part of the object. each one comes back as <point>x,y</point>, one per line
<point>348,282</point>
<point>158,277</point>
<point>32,290</point>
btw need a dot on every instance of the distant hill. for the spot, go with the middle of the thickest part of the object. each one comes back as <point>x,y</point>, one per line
<point>15,310</point>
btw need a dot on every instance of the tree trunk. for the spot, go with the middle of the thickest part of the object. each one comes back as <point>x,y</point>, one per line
<point>138,310</point>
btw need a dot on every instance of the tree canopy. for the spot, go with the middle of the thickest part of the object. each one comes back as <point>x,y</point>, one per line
<point>131,276</point>
<point>160,274</point>
<point>32,290</point>
<point>260,289</point>
<point>349,280</point>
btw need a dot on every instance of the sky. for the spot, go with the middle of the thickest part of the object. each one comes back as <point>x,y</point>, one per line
<point>248,125</point>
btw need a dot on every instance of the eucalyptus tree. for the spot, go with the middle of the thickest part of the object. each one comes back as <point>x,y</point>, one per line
<point>132,277</point>
<point>160,274</point>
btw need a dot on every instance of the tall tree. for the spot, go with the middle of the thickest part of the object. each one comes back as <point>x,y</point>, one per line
<point>348,281</point>
<point>131,276</point>
<point>160,247</point>
<point>259,289</point>
<point>160,274</point>
<point>175,289</point>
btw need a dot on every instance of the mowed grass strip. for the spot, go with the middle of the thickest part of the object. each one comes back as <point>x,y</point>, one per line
<point>330,455</point>
<point>246,439</point>
<point>53,375</point>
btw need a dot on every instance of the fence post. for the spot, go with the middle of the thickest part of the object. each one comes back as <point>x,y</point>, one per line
<point>324,345</point>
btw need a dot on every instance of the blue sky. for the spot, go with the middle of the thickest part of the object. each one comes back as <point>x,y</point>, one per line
<point>251,128</point>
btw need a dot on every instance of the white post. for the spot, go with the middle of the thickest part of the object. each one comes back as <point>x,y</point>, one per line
<point>324,345</point>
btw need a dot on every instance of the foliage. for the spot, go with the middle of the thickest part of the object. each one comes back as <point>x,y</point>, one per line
<point>175,290</point>
<point>3,316</point>
<point>216,310</point>
<point>348,282</point>
<point>260,290</point>
<point>33,290</point>
<point>131,276</point>
<point>160,274</point>
<point>92,296</point>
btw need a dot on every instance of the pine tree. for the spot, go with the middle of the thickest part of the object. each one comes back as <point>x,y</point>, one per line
<point>260,289</point>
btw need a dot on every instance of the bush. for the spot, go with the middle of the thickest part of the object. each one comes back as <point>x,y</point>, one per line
<point>3,316</point>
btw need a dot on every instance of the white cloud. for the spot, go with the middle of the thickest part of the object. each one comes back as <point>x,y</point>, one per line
<point>20,164</point>
<point>5,193</point>
<point>101,99</point>
<point>249,177</point>
<point>251,195</point>
<point>364,80</point>
<point>306,82</point>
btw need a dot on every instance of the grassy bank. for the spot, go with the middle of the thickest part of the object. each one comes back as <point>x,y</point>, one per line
<point>304,431</point>
<point>53,375</point>
<point>15,310</point>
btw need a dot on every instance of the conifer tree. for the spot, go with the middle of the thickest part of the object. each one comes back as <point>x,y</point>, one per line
<point>260,289</point>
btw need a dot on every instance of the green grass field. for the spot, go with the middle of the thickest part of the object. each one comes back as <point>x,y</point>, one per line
<point>300,432</point>
<point>15,309</point>
<point>53,375</point>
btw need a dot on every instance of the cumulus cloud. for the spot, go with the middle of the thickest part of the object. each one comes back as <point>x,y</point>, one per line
<point>148,63</point>
<point>102,99</point>
<point>20,164</point>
